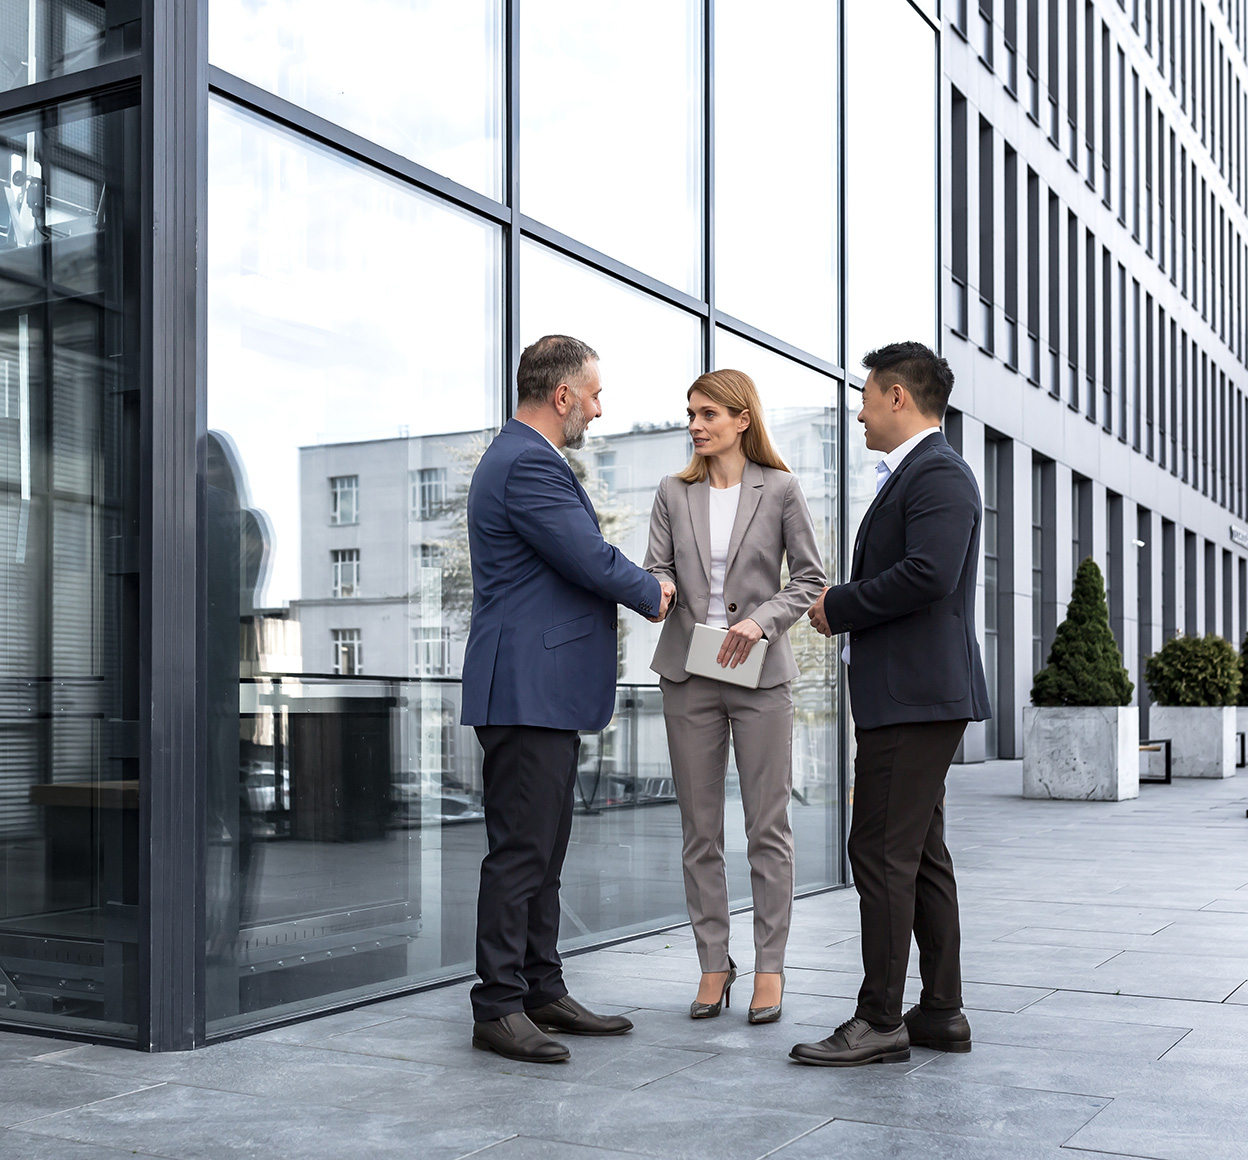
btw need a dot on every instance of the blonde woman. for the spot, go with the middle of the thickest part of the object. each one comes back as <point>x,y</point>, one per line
<point>720,530</point>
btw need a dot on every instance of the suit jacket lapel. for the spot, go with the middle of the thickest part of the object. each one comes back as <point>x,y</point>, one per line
<point>880,496</point>
<point>699,495</point>
<point>747,505</point>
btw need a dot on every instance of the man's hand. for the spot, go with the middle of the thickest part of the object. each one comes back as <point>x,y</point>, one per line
<point>741,637</point>
<point>818,617</point>
<point>669,598</point>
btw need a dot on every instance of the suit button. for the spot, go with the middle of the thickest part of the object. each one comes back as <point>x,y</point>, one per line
<point>732,608</point>
<point>613,624</point>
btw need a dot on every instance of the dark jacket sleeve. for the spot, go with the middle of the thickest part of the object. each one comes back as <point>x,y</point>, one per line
<point>938,511</point>
<point>546,512</point>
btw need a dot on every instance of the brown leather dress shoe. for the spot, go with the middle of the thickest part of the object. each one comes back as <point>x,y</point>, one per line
<point>515,1037</point>
<point>854,1043</point>
<point>941,1030</point>
<point>568,1016</point>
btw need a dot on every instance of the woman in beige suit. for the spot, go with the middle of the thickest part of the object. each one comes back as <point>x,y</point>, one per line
<point>720,531</point>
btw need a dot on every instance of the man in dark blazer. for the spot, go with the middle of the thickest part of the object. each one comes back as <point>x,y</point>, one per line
<point>915,680</point>
<point>540,665</point>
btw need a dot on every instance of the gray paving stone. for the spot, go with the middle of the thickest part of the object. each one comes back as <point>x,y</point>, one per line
<point>16,1046</point>
<point>195,1124</point>
<point>873,1142</point>
<point>886,1094</point>
<point>29,1090</point>
<point>1167,1131</point>
<point>16,1144</point>
<point>1138,1041</point>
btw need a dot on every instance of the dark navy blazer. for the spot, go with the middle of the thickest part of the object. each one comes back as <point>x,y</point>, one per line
<point>545,585</point>
<point>909,606</point>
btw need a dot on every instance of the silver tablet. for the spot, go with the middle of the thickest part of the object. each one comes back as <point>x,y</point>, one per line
<point>704,647</point>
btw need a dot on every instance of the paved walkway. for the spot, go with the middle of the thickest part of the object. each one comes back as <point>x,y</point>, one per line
<point>1106,959</point>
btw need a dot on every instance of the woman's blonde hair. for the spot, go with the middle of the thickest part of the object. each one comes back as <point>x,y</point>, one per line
<point>735,391</point>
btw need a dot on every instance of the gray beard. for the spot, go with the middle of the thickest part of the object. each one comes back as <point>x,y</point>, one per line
<point>574,428</point>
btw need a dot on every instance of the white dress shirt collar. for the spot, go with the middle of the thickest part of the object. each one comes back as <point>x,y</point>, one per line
<point>544,436</point>
<point>895,457</point>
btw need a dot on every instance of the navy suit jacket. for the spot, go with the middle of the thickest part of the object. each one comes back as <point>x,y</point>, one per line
<point>545,585</point>
<point>909,606</point>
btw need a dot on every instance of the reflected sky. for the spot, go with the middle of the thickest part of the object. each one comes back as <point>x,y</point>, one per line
<point>421,77</point>
<point>611,120</point>
<point>891,177</point>
<point>775,173</point>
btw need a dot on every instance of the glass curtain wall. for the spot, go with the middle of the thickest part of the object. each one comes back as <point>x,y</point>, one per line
<point>677,207</point>
<point>69,521</point>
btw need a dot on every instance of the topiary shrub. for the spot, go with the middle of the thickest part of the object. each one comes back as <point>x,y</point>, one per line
<point>1194,671</point>
<point>1243,672</point>
<point>1085,665</point>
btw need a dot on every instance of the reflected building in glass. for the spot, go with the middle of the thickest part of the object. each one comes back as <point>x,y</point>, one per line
<point>265,276</point>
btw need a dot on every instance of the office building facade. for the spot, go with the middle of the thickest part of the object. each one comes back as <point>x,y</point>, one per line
<point>1094,264</point>
<point>265,275</point>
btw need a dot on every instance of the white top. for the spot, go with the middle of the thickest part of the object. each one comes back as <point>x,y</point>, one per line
<point>891,462</point>
<point>723,516</point>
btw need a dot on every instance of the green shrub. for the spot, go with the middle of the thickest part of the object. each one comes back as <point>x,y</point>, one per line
<point>1194,670</point>
<point>1085,665</point>
<point>1243,672</point>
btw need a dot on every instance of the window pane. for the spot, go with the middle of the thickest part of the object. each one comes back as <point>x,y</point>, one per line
<point>69,430</point>
<point>775,170</point>
<point>611,108</point>
<point>800,406</point>
<point>40,39</point>
<point>640,437</point>
<point>379,365</point>
<point>892,268</point>
<point>421,77</point>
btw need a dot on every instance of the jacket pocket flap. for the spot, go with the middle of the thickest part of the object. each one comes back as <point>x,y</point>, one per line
<point>571,630</point>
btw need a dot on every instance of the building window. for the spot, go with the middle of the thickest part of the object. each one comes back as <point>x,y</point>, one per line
<point>431,651</point>
<point>1033,277</point>
<point>991,528</point>
<point>985,32</point>
<point>1011,258</point>
<point>604,461</point>
<point>1010,32</point>
<point>428,492</point>
<point>960,209</point>
<point>425,556</point>
<point>344,497</point>
<point>346,566</point>
<point>987,247</point>
<point>348,652</point>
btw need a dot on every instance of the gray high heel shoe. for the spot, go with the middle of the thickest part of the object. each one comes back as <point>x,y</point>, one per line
<point>711,1010</point>
<point>768,1014</point>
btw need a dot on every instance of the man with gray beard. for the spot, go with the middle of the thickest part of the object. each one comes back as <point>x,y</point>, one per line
<point>540,666</point>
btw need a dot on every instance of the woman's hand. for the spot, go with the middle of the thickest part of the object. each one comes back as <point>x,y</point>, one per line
<point>741,637</point>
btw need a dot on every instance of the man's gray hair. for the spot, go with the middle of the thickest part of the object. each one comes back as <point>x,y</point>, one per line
<point>551,360</point>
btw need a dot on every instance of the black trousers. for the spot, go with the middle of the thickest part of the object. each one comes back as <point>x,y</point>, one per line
<point>529,775</point>
<point>902,869</point>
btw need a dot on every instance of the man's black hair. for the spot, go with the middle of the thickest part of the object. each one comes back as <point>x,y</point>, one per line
<point>919,369</point>
<point>549,361</point>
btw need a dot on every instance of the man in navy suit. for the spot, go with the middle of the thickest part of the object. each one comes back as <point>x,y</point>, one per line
<point>915,680</point>
<point>540,665</point>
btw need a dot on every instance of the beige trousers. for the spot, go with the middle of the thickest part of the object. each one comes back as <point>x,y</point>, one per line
<point>701,715</point>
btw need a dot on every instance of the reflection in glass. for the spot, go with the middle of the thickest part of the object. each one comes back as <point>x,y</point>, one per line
<point>775,169</point>
<point>611,138</point>
<point>352,385</point>
<point>890,129</point>
<point>420,77</point>
<point>801,410</point>
<point>40,39</point>
<point>69,789</point>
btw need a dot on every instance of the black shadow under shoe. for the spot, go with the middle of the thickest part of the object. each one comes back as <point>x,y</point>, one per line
<point>515,1037</point>
<point>854,1043</point>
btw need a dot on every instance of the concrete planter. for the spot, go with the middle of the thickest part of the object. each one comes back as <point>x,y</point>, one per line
<point>1083,754</point>
<point>1202,741</point>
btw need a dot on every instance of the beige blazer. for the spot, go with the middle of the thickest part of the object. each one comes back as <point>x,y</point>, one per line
<point>772,522</point>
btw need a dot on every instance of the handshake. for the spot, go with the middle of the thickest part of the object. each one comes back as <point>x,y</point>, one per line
<point>669,599</point>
